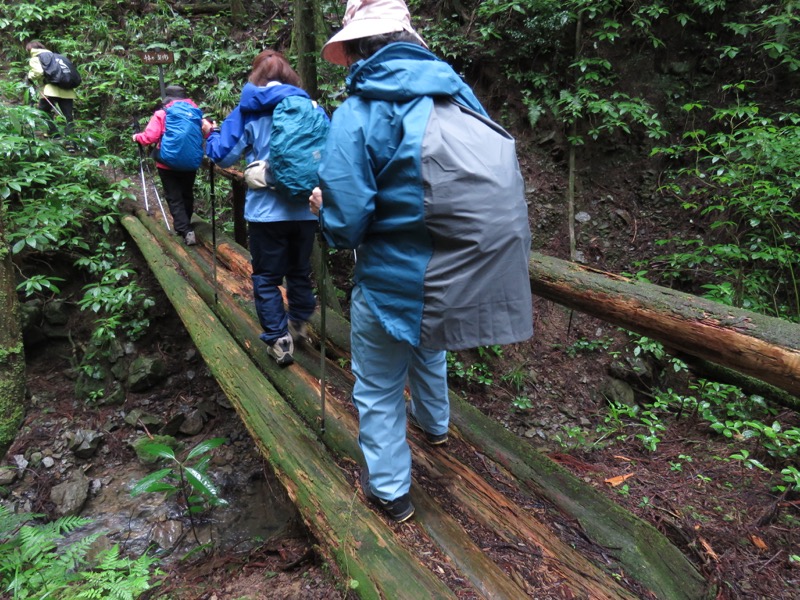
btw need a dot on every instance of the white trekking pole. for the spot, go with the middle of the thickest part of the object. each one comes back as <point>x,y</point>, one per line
<point>141,167</point>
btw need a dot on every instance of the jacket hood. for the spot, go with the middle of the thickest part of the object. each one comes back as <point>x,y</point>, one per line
<point>256,99</point>
<point>37,51</point>
<point>400,72</point>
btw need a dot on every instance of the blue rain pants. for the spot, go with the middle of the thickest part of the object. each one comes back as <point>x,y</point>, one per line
<point>382,365</point>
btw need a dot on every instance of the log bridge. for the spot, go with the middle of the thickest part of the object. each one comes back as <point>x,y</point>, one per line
<point>486,495</point>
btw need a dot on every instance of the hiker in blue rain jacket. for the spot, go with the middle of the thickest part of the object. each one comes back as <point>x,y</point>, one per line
<point>281,230</point>
<point>372,198</point>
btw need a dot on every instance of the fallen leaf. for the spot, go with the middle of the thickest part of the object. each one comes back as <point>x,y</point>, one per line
<point>615,481</point>
<point>758,542</point>
<point>709,550</point>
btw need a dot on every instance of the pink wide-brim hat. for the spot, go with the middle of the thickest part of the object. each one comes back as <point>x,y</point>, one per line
<point>364,18</point>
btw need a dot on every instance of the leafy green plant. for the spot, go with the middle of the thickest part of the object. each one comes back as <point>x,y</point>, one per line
<point>790,479</point>
<point>37,562</point>
<point>584,346</point>
<point>472,373</point>
<point>516,377</point>
<point>522,402</point>
<point>743,456</point>
<point>574,436</point>
<point>741,182</point>
<point>185,478</point>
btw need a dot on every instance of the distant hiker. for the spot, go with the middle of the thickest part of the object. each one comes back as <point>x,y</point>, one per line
<point>442,245</point>
<point>53,97</point>
<point>176,129</point>
<point>281,227</point>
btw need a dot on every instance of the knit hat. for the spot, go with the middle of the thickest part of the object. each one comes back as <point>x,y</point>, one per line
<point>365,18</point>
<point>174,92</point>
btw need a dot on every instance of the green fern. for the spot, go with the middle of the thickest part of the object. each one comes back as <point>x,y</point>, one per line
<point>35,562</point>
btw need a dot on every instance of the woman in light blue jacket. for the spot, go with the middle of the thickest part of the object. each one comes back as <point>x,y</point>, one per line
<point>440,265</point>
<point>281,230</point>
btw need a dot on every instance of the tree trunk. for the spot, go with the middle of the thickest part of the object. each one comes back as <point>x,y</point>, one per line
<point>642,552</point>
<point>302,390</point>
<point>573,251</point>
<point>237,12</point>
<point>350,534</point>
<point>763,347</point>
<point>304,44</point>
<point>12,355</point>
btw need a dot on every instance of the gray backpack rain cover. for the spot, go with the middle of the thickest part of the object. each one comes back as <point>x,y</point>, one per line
<point>477,287</point>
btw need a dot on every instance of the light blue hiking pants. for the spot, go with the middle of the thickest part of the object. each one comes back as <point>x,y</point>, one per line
<point>382,365</point>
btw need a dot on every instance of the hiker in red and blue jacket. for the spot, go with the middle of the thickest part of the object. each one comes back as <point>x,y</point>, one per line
<point>442,259</point>
<point>178,184</point>
<point>281,230</point>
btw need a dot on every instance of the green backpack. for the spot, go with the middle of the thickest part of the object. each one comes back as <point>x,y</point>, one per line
<point>297,139</point>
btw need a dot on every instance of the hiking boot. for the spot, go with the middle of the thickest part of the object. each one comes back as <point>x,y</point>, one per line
<point>190,238</point>
<point>299,330</point>
<point>399,510</point>
<point>281,350</point>
<point>434,439</point>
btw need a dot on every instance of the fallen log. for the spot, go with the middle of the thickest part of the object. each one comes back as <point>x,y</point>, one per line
<point>302,391</point>
<point>351,535</point>
<point>639,548</point>
<point>763,347</point>
<point>676,579</point>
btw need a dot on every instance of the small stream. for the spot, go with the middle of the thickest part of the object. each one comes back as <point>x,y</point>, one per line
<point>258,510</point>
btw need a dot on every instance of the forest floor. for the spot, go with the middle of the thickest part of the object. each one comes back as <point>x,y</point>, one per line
<point>737,531</point>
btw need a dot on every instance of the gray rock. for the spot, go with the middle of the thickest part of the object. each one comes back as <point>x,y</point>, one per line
<point>31,311</point>
<point>616,390</point>
<point>114,395</point>
<point>139,418</point>
<point>193,424</point>
<point>8,476</point>
<point>84,443</point>
<point>54,313</point>
<point>21,462</point>
<point>70,496</point>
<point>145,372</point>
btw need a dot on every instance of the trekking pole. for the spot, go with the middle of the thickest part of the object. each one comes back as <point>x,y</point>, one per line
<point>322,336</point>
<point>211,168</point>
<point>158,197</point>
<point>141,167</point>
<point>53,106</point>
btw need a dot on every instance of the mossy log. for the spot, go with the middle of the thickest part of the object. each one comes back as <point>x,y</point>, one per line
<point>478,498</point>
<point>763,347</point>
<point>350,534</point>
<point>301,389</point>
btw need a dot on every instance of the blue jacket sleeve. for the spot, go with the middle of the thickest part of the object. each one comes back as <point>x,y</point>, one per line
<point>347,182</point>
<point>228,145</point>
